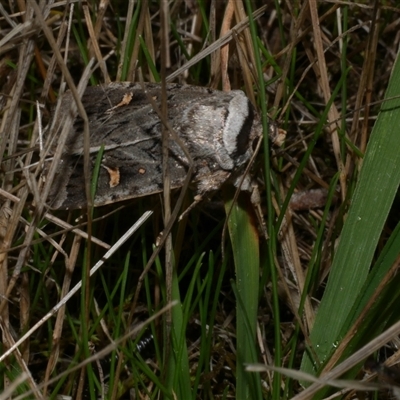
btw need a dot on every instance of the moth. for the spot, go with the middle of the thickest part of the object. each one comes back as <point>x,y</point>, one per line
<point>219,130</point>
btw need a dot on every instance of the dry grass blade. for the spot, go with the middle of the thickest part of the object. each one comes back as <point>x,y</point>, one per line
<point>322,73</point>
<point>216,45</point>
<point>352,361</point>
<point>338,383</point>
<point>14,385</point>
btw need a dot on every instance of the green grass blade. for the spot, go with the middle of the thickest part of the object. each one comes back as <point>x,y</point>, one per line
<point>178,378</point>
<point>378,182</point>
<point>149,60</point>
<point>245,246</point>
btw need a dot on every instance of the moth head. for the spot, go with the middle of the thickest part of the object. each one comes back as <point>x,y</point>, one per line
<point>241,128</point>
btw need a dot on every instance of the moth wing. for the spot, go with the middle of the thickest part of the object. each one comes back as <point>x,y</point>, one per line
<point>211,124</point>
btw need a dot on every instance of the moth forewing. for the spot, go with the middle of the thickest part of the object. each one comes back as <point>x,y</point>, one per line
<point>217,128</point>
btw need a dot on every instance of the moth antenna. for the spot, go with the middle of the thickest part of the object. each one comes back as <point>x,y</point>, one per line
<point>197,199</point>
<point>255,199</point>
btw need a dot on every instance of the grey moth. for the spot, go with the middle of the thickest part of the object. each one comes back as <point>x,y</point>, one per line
<point>218,129</point>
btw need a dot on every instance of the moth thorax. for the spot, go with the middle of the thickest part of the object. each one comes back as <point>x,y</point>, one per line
<point>238,125</point>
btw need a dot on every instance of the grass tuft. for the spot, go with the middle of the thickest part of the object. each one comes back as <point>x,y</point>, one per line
<point>318,295</point>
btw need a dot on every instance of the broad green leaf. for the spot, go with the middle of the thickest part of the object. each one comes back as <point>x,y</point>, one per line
<point>378,182</point>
